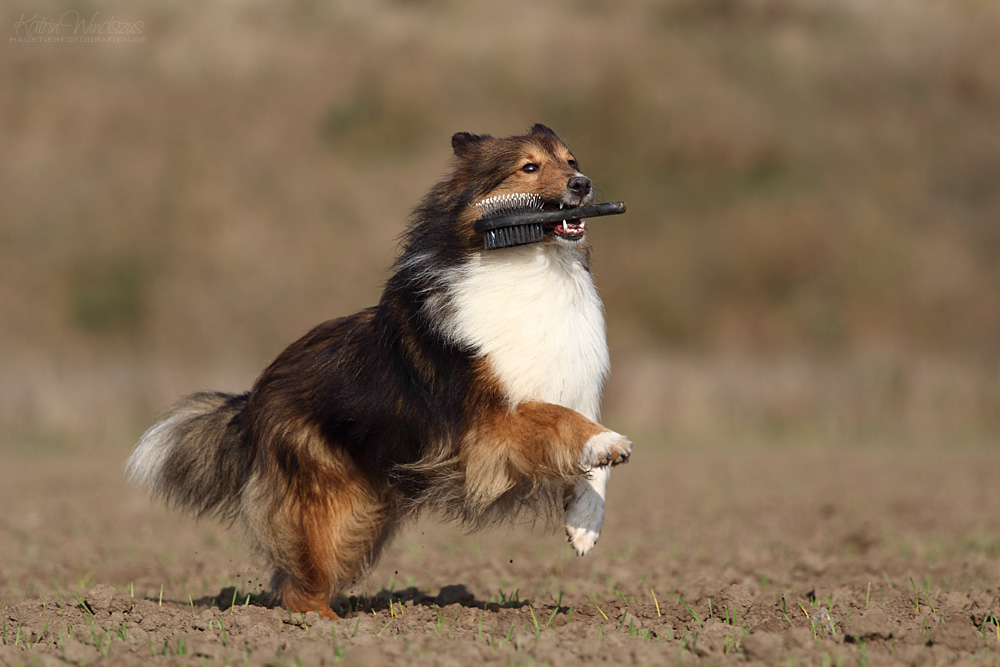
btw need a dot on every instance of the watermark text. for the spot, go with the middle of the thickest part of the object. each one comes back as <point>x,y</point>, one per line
<point>75,28</point>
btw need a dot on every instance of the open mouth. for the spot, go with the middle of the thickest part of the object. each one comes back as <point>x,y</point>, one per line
<point>571,230</point>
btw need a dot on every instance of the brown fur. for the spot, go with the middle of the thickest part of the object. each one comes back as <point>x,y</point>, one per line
<point>532,443</point>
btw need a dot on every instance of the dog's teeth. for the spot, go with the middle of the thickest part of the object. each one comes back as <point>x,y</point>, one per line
<point>583,224</point>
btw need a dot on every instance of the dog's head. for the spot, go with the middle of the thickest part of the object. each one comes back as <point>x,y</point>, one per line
<point>537,163</point>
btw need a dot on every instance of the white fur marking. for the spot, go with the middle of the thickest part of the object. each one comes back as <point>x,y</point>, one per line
<point>585,510</point>
<point>604,447</point>
<point>146,462</point>
<point>534,314</point>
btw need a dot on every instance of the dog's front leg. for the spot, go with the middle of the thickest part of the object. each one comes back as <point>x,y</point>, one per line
<point>585,509</point>
<point>537,441</point>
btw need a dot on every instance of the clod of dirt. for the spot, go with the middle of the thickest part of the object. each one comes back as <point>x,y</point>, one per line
<point>771,625</point>
<point>763,647</point>
<point>204,620</point>
<point>956,636</point>
<point>712,638</point>
<point>257,622</point>
<point>872,624</point>
<point>105,600</point>
<point>76,652</point>
<point>798,638</point>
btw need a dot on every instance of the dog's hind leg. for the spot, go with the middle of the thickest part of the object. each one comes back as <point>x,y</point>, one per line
<point>321,538</point>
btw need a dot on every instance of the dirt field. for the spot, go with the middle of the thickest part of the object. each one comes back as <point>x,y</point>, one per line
<point>771,555</point>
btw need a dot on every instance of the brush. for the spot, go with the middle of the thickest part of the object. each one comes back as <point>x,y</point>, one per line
<point>517,218</point>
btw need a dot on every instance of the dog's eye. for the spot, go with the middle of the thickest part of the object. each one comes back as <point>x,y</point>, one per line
<point>530,168</point>
<point>572,163</point>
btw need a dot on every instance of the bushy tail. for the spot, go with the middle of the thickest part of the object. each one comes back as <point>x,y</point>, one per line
<point>195,457</point>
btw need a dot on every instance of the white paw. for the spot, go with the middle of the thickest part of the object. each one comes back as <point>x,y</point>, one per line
<point>584,519</point>
<point>606,448</point>
<point>585,510</point>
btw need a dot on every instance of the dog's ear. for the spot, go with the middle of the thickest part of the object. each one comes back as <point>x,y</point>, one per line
<point>463,142</point>
<point>543,130</point>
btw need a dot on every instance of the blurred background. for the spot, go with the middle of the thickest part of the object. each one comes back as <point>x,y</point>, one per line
<point>811,254</point>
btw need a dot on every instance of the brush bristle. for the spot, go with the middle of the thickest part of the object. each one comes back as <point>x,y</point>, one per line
<point>506,237</point>
<point>507,204</point>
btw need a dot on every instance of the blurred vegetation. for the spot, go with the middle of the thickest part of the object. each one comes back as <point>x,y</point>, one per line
<point>804,179</point>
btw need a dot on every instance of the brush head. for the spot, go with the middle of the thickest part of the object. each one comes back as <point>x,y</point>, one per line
<point>506,237</point>
<point>513,203</point>
<point>519,218</point>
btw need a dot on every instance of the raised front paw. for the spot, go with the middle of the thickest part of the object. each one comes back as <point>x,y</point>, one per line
<point>606,448</point>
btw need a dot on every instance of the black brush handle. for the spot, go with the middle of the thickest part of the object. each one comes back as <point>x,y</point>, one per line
<point>538,217</point>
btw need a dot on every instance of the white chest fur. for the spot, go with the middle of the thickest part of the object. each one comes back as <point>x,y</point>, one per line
<point>535,316</point>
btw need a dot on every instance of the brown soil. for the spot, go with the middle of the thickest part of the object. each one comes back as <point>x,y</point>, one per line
<point>811,555</point>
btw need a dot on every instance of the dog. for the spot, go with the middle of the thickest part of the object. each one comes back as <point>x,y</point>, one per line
<point>473,389</point>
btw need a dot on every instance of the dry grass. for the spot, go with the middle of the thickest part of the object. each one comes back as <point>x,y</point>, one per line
<point>810,185</point>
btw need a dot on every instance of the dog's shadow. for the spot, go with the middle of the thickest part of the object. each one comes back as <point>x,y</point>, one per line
<point>449,595</point>
<point>381,601</point>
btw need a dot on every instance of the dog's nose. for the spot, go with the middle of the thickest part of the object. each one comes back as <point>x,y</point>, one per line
<point>579,185</point>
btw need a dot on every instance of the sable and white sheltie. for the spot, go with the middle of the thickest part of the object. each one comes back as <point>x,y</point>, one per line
<point>472,388</point>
